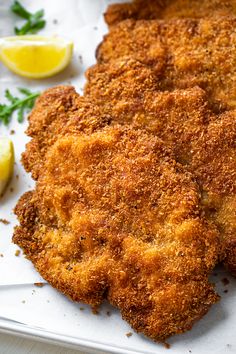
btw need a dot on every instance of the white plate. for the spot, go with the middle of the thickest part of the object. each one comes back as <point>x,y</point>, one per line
<point>43,312</point>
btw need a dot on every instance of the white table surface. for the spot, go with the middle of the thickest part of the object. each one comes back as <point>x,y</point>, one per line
<point>16,345</point>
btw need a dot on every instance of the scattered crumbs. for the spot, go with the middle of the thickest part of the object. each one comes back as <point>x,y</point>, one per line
<point>95,311</point>
<point>12,132</point>
<point>225,281</point>
<point>228,345</point>
<point>4,221</point>
<point>225,291</point>
<point>95,28</point>
<point>190,351</point>
<point>129,334</point>
<point>80,59</point>
<point>1,255</point>
<point>17,176</point>
<point>23,301</point>
<point>166,345</point>
<point>39,285</point>
<point>55,21</point>
<point>108,313</point>
<point>17,253</point>
<point>81,308</point>
<point>48,301</point>
<point>11,189</point>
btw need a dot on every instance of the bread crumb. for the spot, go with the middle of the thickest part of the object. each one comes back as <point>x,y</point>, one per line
<point>5,221</point>
<point>167,345</point>
<point>81,308</point>
<point>225,281</point>
<point>129,334</point>
<point>95,311</point>
<point>17,253</point>
<point>225,291</point>
<point>39,285</point>
<point>11,189</point>
<point>1,255</point>
<point>108,313</point>
<point>23,301</point>
<point>12,132</point>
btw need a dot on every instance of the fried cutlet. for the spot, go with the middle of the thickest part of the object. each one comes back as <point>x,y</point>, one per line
<point>114,217</point>
<point>183,53</point>
<point>167,9</point>
<point>203,141</point>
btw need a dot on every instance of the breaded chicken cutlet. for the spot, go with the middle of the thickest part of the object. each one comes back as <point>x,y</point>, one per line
<point>166,9</point>
<point>183,53</point>
<point>114,217</point>
<point>201,140</point>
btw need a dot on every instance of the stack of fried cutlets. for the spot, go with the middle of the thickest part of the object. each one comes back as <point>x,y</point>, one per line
<point>135,200</point>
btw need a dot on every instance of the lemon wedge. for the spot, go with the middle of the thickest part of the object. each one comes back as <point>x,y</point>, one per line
<point>35,56</point>
<point>6,162</point>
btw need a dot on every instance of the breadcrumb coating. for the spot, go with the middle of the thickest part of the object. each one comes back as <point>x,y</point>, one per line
<point>201,140</point>
<point>167,9</point>
<point>183,53</point>
<point>58,110</point>
<point>115,217</point>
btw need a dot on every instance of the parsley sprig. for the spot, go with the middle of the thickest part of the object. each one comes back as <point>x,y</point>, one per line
<point>34,22</point>
<point>22,105</point>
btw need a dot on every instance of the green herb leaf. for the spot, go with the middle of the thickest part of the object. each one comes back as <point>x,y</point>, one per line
<point>22,105</point>
<point>9,96</point>
<point>34,23</point>
<point>19,10</point>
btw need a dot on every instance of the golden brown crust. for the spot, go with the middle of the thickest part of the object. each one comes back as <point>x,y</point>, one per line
<point>117,218</point>
<point>214,164</point>
<point>178,51</point>
<point>167,9</point>
<point>230,262</point>
<point>200,139</point>
<point>119,87</point>
<point>59,110</point>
